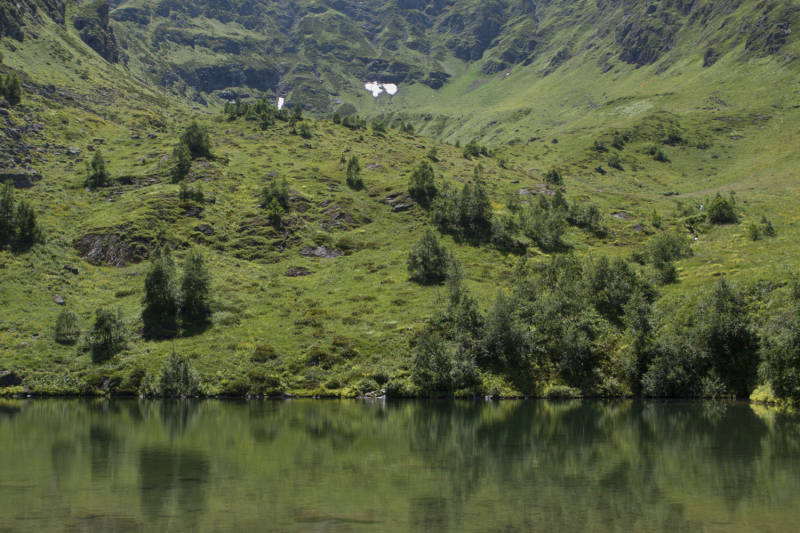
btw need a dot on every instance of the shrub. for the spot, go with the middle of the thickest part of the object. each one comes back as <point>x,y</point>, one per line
<point>275,190</point>
<point>337,118</point>
<point>197,139</point>
<point>433,154</point>
<point>615,162</point>
<point>178,378</point>
<point>305,130</point>
<point>600,147</point>
<point>663,250</point>
<point>553,177</point>
<point>427,261</point>
<point>274,212</point>
<point>108,336</point>
<point>753,232</point>
<point>721,211</point>
<point>467,212</point>
<point>378,126</point>
<point>353,173</point>
<point>421,183</point>
<point>659,155</point>
<point>618,142</point>
<point>195,286</point>
<point>674,137</point>
<point>98,175</point>
<point>263,353</point>
<point>655,219</point>
<point>780,355</point>
<point>67,330</point>
<point>188,193</point>
<point>767,229</point>
<point>11,89</point>
<point>297,112</point>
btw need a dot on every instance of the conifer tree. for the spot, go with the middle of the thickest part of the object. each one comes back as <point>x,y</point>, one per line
<point>195,286</point>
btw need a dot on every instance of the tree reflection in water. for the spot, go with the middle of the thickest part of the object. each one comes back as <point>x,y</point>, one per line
<point>398,466</point>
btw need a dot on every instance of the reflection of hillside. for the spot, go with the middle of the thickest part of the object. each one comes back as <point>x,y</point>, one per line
<point>401,466</point>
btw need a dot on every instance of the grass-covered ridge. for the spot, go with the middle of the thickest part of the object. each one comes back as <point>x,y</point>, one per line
<point>563,205</point>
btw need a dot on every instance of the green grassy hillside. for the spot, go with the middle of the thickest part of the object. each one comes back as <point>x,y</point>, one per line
<point>647,112</point>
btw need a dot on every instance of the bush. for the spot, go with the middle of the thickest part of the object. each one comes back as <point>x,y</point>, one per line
<point>663,250</point>
<point>615,162</point>
<point>433,154</point>
<point>274,212</point>
<point>467,212</point>
<point>428,259</point>
<point>178,378</point>
<point>108,336</point>
<point>67,330</point>
<point>187,193</point>
<point>11,89</point>
<point>553,177</point>
<point>421,184</point>
<point>753,232</point>
<point>378,126</point>
<point>721,211</point>
<point>600,147</point>
<point>197,139</point>
<point>353,173</point>
<point>182,158</point>
<point>337,118</point>
<point>297,112</point>
<point>98,175</point>
<point>305,130</point>
<point>18,224</point>
<point>780,355</point>
<point>195,286</point>
<point>439,368</point>
<point>275,190</point>
<point>263,353</point>
<point>767,229</point>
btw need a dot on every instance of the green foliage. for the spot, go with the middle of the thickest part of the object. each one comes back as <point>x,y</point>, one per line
<point>655,219</point>
<point>600,147</point>
<point>274,211</point>
<point>658,154</point>
<point>378,126</point>
<point>28,230</point>
<point>663,250</point>
<point>753,232</point>
<point>67,329</point>
<point>297,112</point>
<point>178,378</point>
<point>182,162</point>
<point>8,211</point>
<point>428,259</point>
<point>614,161</point>
<point>108,336</point>
<point>674,137</point>
<point>721,211</point>
<point>195,286</point>
<point>197,139</point>
<point>467,212</point>
<point>11,88</point>
<point>275,190</point>
<point>354,122</point>
<point>190,193</point>
<point>473,149</point>
<point>544,225</point>
<point>406,127</point>
<point>337,118</point>
<point>780,353</point>
<point>98,175</point>
<point>767,229</point>
<point>553,177</point>
<point>433,154</point>
<point>353,173</point>
<point>161,299</point>
<point>618,142</point>
<point>305,130</point>
<point>440,368</point>
<point>421,183</point>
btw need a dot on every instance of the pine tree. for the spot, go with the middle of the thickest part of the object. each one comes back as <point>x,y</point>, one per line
<point>197,140</point>
<point>354,173</point>
<point>8,213</point>
<point>195,286</point>
<point>98,175</point>
<point>28,231</point>
<point>183,162</point>
<point>160,292</point>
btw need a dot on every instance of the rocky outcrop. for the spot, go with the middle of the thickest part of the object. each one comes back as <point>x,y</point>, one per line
<point>20,179</point>
<point>92,23</point>
<point>218,77</point>
<point>13,14</point>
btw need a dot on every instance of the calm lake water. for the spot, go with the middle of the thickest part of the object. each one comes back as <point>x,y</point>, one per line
<point>316,466</point>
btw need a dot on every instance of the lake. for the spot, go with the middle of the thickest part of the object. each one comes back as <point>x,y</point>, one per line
<point>323,465</point>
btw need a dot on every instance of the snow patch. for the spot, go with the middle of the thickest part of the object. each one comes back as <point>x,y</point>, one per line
<point>280,103</point>
<point>377,88</point>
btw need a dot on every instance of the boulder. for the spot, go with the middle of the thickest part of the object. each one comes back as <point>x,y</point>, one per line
<point>57,299</point>
<point>22,179</point>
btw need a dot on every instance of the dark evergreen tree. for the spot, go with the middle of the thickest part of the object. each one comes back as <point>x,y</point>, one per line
<point>8,213</point>
<point>197,139</point>
<point>98,175</point>
<point>195,286</point>
<point>160,291</point>
<point>108,337</point>
<point>428,259</point>
<point>182,162</point>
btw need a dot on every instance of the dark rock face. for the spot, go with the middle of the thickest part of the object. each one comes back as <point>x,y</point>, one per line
<point>92,23</point>
<point>21,180</point>
<point>108,249</point>
<point>296,272</point>
<point>218,77</point>
<point>13,12</point>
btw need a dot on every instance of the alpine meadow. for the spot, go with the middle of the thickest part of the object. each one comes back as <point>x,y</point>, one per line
<point>402,198</point>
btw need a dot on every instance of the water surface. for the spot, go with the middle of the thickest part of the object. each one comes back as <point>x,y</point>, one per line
<point>316,466</point>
